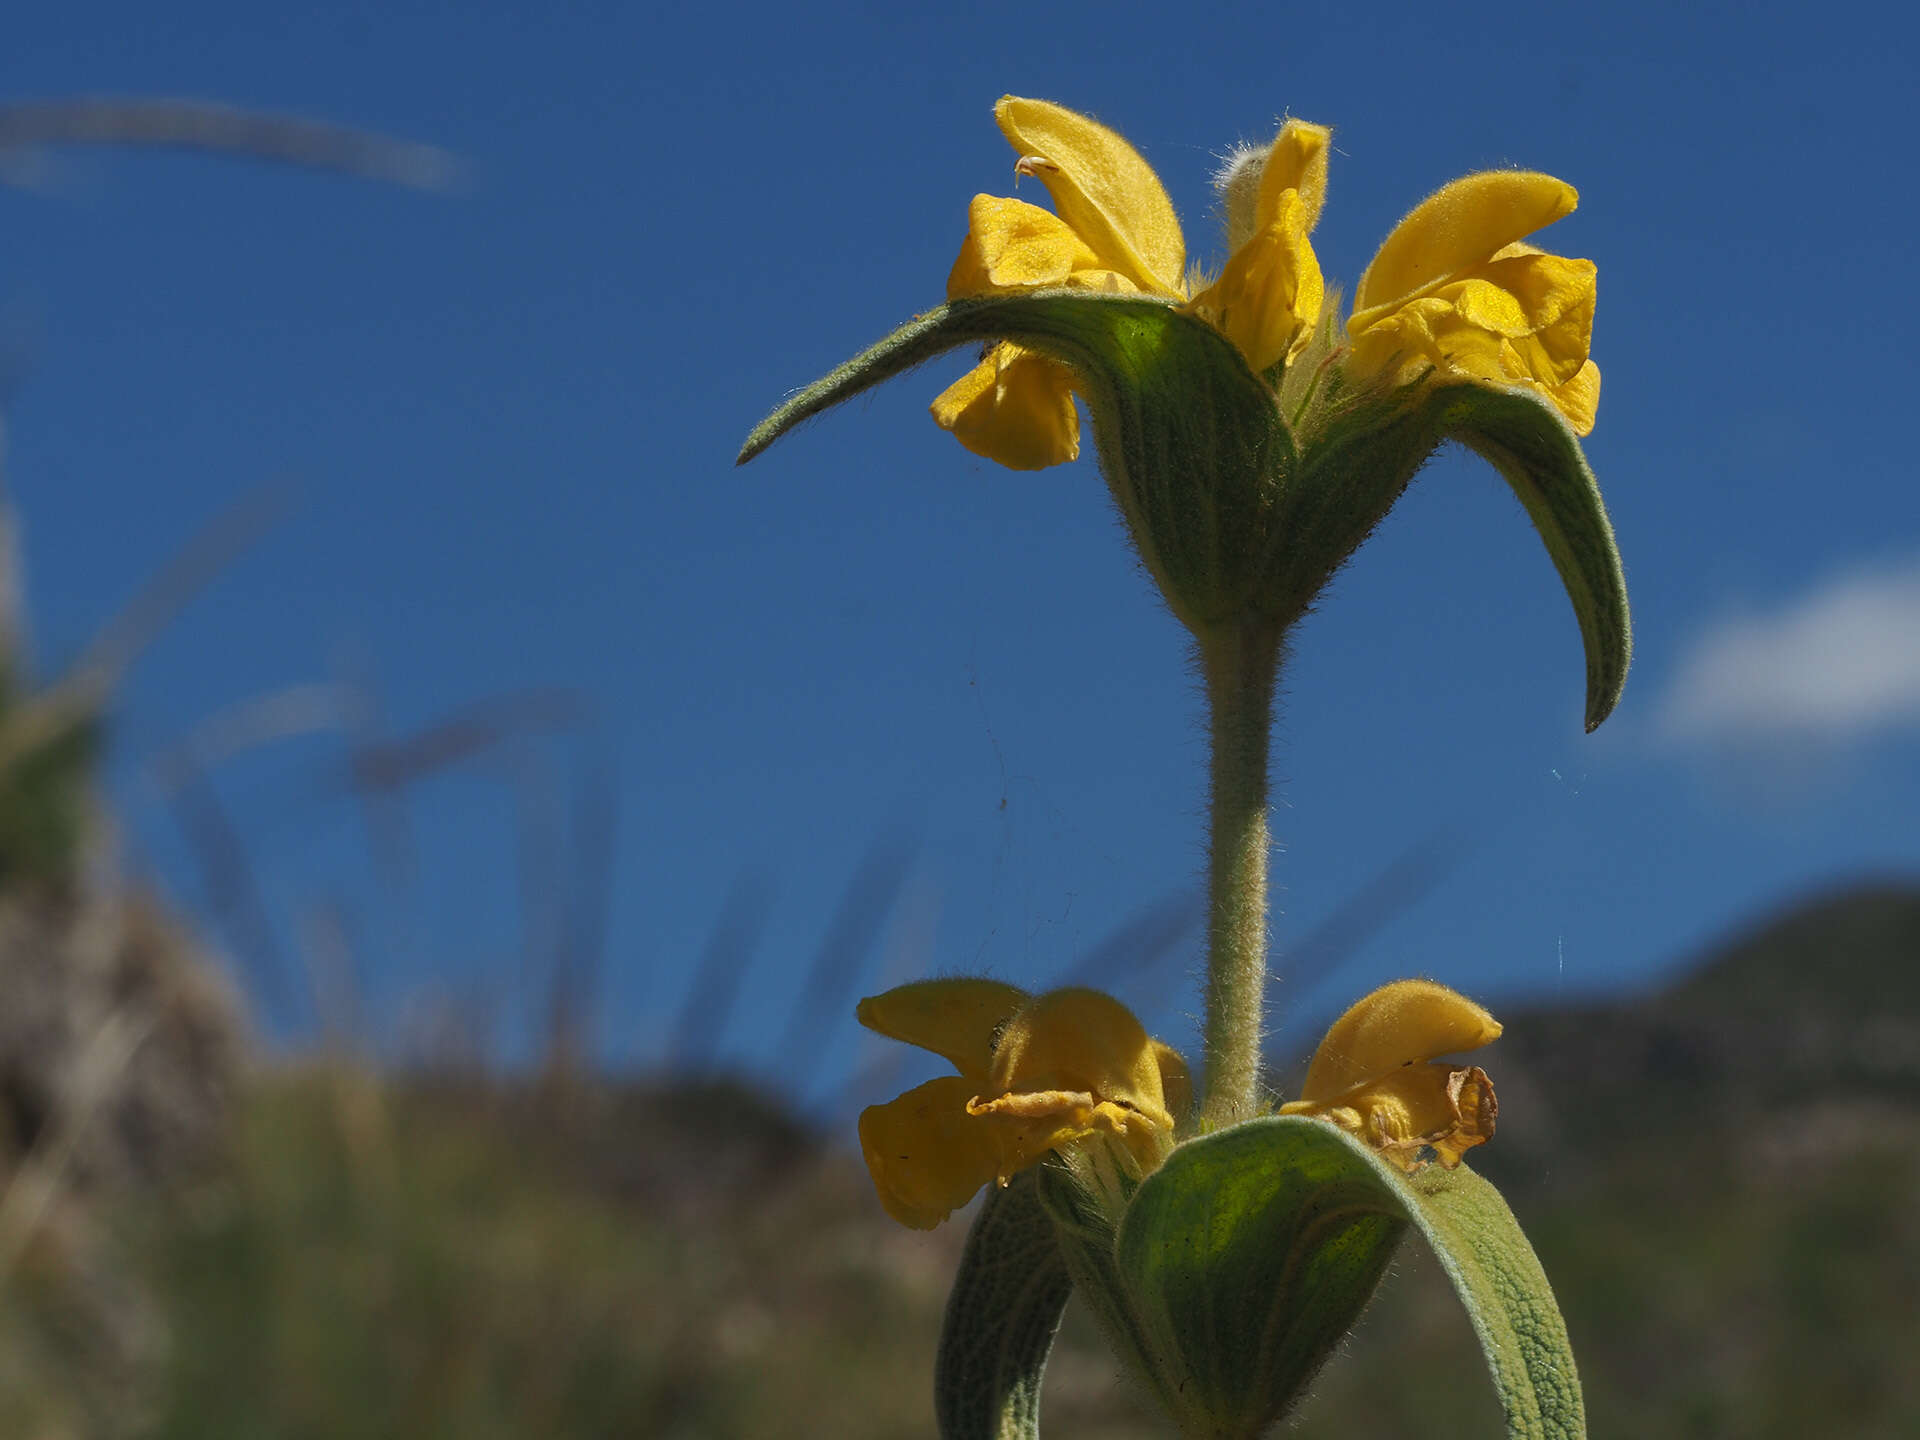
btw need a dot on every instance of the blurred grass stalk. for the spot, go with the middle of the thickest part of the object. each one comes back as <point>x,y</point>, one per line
<point>35,1185</point>
<point>182,123</point>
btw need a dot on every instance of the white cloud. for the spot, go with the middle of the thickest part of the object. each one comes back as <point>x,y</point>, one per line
<point>1838,664</point>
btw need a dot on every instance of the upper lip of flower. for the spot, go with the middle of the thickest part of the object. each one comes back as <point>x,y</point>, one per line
<point>1371,1074</point>
<point>1101,188</point>
<point>1455,288</point>
<point>1455,229</point>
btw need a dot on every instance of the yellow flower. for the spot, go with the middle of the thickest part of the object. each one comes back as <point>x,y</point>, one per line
<point>1454,289</point>
<point>1370,1075</point>
<point>1116,231</point>
<point>1036,1073</point>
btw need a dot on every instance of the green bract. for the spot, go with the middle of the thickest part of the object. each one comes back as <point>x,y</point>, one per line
<point>1230,1276</point>
<point>1243,500</point>
<point>1001,1317</point>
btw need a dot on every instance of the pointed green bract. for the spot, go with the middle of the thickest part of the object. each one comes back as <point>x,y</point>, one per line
<point>1355,466</point>
<point>1234,515</point>
<point>1190,442</point>
<point>1530,443</point>
<point>1007,1298</point>
<point>1244,1260</point>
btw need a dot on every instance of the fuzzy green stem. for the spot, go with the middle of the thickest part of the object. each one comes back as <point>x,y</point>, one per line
<point>1241,663</point>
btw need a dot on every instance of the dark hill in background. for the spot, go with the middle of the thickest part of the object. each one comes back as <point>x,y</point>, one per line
<point>1820,1006</point>
<point>1719,1178</point>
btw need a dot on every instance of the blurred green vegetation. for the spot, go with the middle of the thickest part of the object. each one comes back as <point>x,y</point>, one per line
<point>1719,1180</point>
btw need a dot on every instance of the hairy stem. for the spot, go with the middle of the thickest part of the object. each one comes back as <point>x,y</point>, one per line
<point>1241,664</point>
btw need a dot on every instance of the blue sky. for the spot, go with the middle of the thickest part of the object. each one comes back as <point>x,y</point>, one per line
<point>507,416</point>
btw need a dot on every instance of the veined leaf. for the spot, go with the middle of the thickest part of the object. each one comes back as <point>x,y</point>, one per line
<point>1248,1255</point>
<point>1005,1306</point>
<point>1190,441</point>
<point>1499,1280</point>
<point>1530,443</point>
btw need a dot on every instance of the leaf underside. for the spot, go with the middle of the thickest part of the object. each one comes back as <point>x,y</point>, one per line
<point>1529,442</point>
<point>1252,1251</point>
<point>1102,336</point>
<point>1006,1303</point>
<point>1190,441</point>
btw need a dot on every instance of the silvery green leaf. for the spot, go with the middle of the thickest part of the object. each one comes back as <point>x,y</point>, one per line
<point>1247,1257</point>
<point>1003,1311</point>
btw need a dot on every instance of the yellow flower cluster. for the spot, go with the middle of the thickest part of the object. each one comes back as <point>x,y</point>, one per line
<point>1453,291</point>
<point>1041,1073</point>
<point>1036,1073</point>
<point>1455,288</point>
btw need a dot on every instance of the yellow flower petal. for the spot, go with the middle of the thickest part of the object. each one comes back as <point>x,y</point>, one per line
<point>1523,319</point>
<point>926,1154</point>
<point>1012,245</point>
<point>1459,226</point>
<point>1579,398</point>
<point>1081,1041</point>
<point>1074,1064</point>
<point>1297,161</point>
<point>958,1019</point>
<point>1033,1124</point>
<point>1268,296</point>
<point>1556,297</point>
<point>1014,407</point>
<point>1398,1025</point>
<point>1457,331</point>
<point>1102,189</point>
<point>1176,1081</point>
<point>1447,1108</point>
